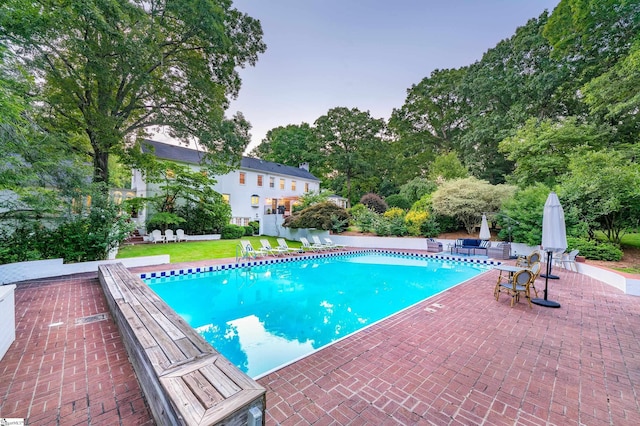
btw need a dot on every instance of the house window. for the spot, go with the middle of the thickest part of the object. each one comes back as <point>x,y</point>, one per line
<point>226,198</point>
<point>281,183</point>
<point>171,174</point>
<point>255,200</point>
<point>272,182</point>
<point>306,187</point>
<point>293,185</point>
<point>259,180</point>
<point>243,178</point>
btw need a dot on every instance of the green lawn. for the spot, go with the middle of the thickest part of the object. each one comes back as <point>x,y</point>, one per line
<point>195,250</point>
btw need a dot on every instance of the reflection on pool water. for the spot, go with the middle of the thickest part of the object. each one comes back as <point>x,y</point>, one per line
<point>264,317</point>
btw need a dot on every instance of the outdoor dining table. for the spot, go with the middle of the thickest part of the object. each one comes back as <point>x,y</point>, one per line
<point>506,268</point>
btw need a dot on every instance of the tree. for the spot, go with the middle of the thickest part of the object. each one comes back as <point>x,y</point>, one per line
<point>447,166</point>
<point>541,149</point>
<point>428,123</point>
<point>604,186</point>
<point>292,145</point>
<point>466,200</point>
<point>112,69</point>
<point>416,188</point>
<point>513,81</point>
<point>351,140</point>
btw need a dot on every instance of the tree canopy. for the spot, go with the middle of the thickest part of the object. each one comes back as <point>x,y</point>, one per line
<point>110,70</point>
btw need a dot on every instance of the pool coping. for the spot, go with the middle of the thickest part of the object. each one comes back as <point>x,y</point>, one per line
<point>307,256</point>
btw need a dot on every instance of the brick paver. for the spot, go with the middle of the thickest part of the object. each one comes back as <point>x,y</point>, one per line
<point>457,358</point>
<point>462,357</point>
<point>63,371</point>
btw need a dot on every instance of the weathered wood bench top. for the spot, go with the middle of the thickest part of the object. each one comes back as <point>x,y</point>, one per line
<point>181,375</point>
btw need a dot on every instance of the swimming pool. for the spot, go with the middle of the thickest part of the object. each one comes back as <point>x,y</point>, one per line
<point>263,317</point>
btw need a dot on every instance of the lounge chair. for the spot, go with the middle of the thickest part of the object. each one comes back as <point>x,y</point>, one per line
<point>266,248</point>
<point>169,236</point>
<point>330,243</point>
<point>180,236</point>
<point>320,244</point>
<point>307,246</point>
<point>156,236</point>
<point>282,245</point>
<point>249,252</point>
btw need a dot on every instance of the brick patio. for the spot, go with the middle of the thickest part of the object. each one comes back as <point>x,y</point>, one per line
<point>457,358</point>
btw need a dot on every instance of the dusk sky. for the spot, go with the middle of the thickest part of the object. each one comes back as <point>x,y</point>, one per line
<point>323,54</point>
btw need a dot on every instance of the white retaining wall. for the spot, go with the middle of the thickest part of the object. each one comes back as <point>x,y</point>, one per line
<point>14,272</point>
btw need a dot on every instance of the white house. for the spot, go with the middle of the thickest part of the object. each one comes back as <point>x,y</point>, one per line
<point>255,189</point>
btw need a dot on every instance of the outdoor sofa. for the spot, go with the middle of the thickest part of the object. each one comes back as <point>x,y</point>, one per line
<point>471,246</point>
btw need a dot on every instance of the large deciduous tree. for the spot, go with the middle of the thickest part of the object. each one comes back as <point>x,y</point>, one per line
<point>352,142</point>
<point>110,69</point>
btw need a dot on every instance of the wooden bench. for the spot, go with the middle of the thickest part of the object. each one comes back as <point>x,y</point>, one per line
<point>184,379</point>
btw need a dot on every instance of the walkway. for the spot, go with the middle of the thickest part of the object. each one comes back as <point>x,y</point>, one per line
<point>457,358</point>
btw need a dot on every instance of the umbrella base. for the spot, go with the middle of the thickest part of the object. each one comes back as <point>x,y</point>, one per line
<point>545,303</point>
<point>551,277</point>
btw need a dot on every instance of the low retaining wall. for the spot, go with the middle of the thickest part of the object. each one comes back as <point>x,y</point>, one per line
<point>23,271</point>
<point>184,379</point>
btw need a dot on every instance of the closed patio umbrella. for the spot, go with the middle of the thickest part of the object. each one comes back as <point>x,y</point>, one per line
<point>485,234</point>
<point>554,238</point>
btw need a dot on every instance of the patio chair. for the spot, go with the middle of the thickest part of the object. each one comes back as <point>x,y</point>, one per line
<point>272,251</point>
<point>180,236</point>
<point>568,261</point>
<point>249,252</point>
<point>307,246</point>
<point>519,283</point>
<point>156,236</point>
<point>320,244</point>
<point>169,236</point>
<point>282,244</point>
<point>330,243</point>
<point>535,270</point>
<point>528,261</point>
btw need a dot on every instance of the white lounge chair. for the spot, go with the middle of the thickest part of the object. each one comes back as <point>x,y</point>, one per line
<point>282,245</point>
<point>169,236</point>
<point>307,246</point>
<point>274,251</point>
<point>248,251</point>
<point>330,243</point>
<point>156,236</point>
<point>569,260</point>
<point>180,236</point>
<point>320,244</point>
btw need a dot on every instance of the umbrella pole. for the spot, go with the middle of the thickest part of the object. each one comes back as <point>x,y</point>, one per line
<point>549,266</point>
<point>545,302</point>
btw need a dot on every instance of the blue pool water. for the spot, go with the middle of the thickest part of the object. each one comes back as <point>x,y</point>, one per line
<point>263,317</point>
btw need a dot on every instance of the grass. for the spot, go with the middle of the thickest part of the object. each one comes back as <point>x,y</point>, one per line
<point>195,250</point>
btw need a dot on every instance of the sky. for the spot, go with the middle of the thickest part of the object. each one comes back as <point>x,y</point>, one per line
<point>363,54</point>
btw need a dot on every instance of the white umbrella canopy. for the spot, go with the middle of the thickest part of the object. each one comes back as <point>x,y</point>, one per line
<point>554,234</point>
<point>485,233</point>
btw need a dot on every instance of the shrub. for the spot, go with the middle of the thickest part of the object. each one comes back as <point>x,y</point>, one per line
<point>374,202</point>
<point>256,227</point>
<point>594,250</point>
<point>397,200</point>
<point>430,228</point>
<point>320,216</point>
<point>363,217</point>
<point>414,220</point>
<point>230,232</point>
<point>394,213</point>
<point>248,230</point>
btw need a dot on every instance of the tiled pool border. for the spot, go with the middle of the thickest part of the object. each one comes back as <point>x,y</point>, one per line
<point>315,255</point>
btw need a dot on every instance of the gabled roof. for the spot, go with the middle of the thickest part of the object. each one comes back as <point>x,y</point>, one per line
<point>192,156</point>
